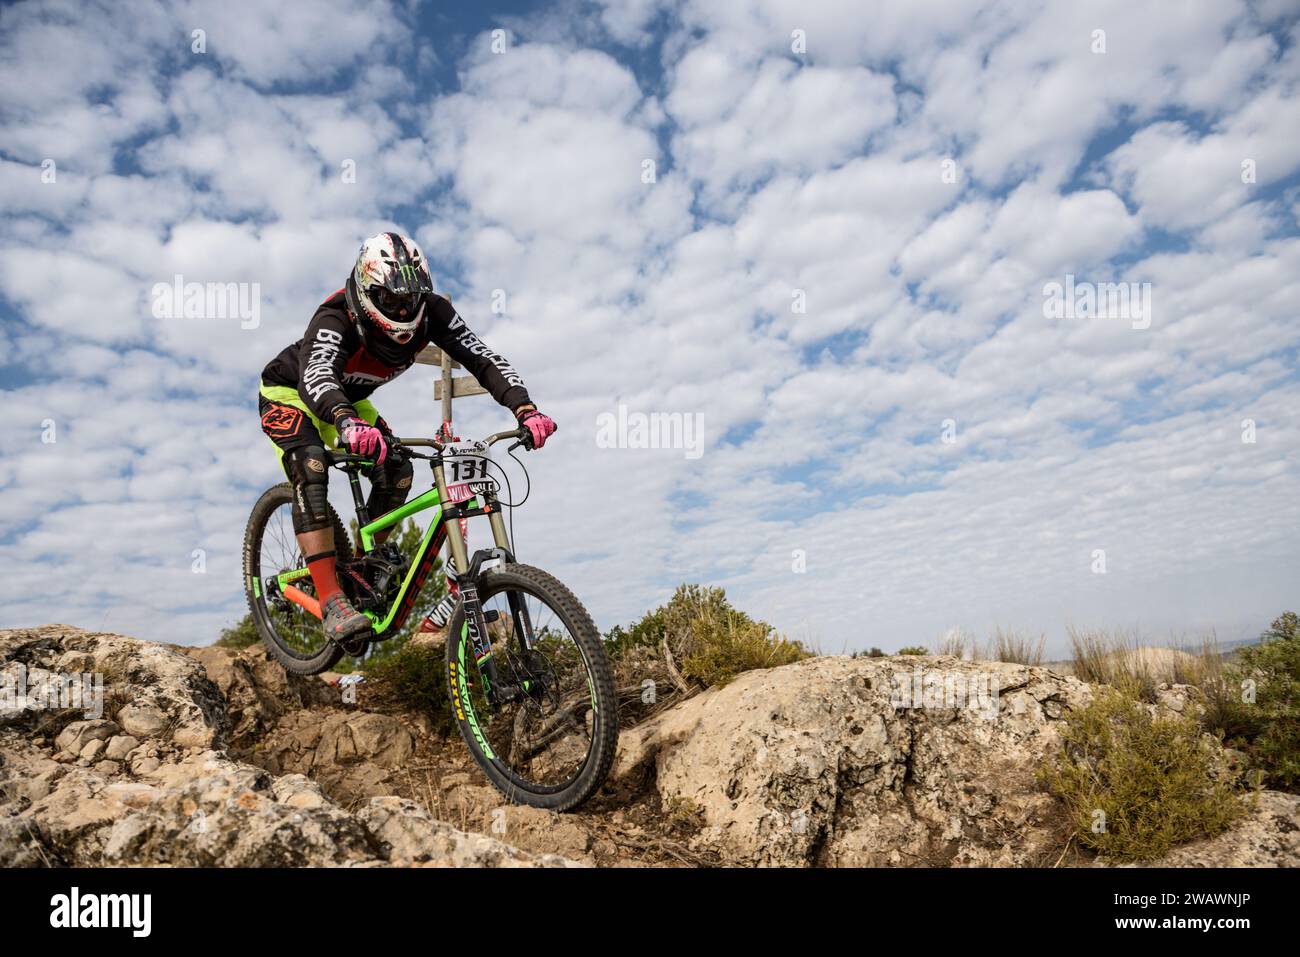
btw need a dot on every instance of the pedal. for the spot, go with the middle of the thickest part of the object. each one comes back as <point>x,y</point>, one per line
<point>356,646</point>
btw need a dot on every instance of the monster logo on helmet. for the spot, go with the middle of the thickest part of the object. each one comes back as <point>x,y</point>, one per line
<point>386,289</point>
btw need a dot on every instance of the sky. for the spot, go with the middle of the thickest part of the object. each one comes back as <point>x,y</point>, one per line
<point>833,239</point>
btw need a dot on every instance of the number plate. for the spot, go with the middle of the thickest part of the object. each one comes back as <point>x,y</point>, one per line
<point>465,465</point>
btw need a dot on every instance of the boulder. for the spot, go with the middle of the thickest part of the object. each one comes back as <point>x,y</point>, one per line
<point>353,754</point>
<point>1268,837</point>
<point>142,721</point>
<point>411,836</point>
<point>814,764</point>
<point>258,691</point>
<point>158,785</point>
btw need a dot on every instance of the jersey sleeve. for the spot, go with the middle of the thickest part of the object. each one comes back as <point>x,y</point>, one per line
<point>491,370</point>
<point>325,353</point>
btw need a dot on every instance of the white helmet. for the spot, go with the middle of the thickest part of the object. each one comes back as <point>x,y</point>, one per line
<point>386,289</point>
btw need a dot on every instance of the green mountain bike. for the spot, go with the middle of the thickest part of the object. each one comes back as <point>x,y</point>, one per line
<point>530,684</point>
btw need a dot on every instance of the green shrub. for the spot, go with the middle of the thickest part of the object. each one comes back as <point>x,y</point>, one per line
<point>1269,728</point>
<point>710,641</point>
<point>412,678</point>
<point>646,633</point>
<point>722,648</point>
<point>242,634</point>
<point>1152,775</point>
<point>913,650</point>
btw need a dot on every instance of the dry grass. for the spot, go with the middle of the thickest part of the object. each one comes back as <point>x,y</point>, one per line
<point>1016,647</point>
<point>1118,659</point>
<point>956,643</point>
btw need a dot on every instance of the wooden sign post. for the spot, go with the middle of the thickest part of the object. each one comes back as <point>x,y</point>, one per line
<point>445,388</point>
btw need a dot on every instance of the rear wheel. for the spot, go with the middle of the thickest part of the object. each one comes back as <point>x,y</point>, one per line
<point>548,740</point>
<point>292,634</point>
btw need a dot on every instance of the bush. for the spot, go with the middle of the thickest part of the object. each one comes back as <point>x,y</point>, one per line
<point>710,641</point>
<point>1152,774</point>
<point>913,650</point>
<point>412,678</point>
<point>242,634</point>
<point>1269,728</point>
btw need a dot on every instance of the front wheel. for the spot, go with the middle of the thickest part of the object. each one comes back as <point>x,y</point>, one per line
<point>545,734</point>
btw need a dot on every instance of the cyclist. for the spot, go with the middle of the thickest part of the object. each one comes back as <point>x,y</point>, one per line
<point>314,394</point>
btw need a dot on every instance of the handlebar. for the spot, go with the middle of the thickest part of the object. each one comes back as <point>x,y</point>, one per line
<point>490,440</point>
<point>404,446</point>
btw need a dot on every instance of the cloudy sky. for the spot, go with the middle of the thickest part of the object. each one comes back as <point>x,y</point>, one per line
<point>827,233</point>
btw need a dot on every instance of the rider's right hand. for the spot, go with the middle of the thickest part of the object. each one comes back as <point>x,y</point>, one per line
<point>362,438</point>
<point>535,426</point>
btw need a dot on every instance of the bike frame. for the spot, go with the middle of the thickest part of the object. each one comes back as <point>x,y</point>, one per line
<point>444,525</point>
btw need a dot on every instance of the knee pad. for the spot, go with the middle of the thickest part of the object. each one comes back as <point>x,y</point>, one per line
<point>310,478</point>
<point>389,487</point>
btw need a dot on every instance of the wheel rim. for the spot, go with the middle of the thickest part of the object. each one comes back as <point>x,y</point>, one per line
<point>543,740</point>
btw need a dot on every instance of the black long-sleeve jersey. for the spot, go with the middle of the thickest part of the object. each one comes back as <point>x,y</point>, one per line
<point>336,364</point>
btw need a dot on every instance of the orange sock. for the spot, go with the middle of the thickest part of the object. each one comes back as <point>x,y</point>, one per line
<point>324,576</point>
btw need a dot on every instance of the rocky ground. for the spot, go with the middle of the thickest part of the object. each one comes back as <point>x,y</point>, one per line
<point>205,756</point>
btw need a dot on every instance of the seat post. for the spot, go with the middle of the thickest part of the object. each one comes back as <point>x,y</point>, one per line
<point>363,514</point>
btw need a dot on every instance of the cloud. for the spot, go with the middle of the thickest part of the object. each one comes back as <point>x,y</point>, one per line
<point>838,265</point>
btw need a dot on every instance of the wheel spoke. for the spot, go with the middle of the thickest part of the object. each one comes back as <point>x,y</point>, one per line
<point>543,732</point>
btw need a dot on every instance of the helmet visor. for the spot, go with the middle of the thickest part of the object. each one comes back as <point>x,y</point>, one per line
<point>392,303</point>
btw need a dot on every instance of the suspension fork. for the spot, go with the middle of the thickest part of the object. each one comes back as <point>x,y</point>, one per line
<point>475,623</point>
<point>518,610</point>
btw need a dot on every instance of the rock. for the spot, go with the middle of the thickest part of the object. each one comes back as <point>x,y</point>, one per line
<point>350,753</point>
<point>150,676</point>
<point>74,738</point>
<point>258,691</point>
<point>119,746</point>
<point>812,764</point>
<point>92,751</point>
<point>409,834</point>
<point>143,766</point>
<point>298,790</point>
<point>1181,699</point>
<point>227,816</point>
<point>1269,837</point>
<point>39,784</point>
<point>75,662</point>
<point>20,844</point>
<point>220,759</point>
<point>534,829</point>
<point>142,721</point>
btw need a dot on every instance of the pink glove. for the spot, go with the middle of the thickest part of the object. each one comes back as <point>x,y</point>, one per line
<point>362,438</point>
<point>539,427</point>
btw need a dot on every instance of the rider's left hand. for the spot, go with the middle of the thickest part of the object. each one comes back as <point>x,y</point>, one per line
<point>539,425</point>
